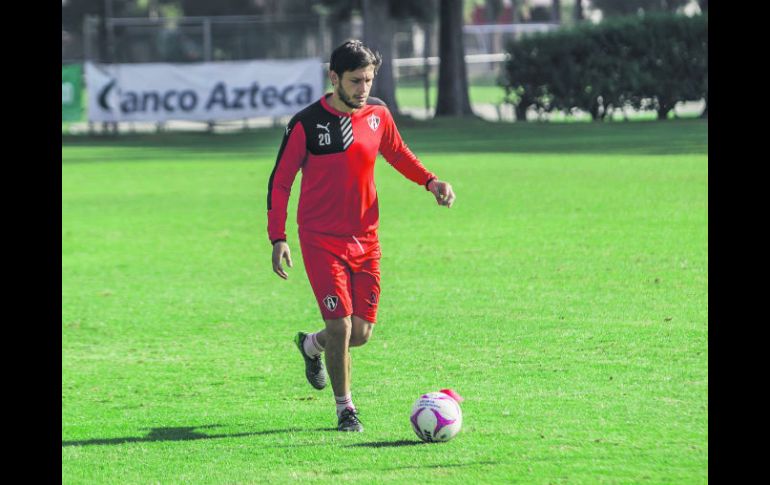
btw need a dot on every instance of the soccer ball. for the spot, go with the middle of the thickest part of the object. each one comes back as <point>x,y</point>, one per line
<point>436,416</point>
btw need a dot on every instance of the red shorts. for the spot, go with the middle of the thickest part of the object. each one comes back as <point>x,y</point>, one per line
<point>344,273</point>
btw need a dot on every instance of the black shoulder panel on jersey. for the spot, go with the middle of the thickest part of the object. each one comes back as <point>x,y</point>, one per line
<point>308,112</point>
<point>325,132</point>
<point>375,101</point>
<point>293,121</point>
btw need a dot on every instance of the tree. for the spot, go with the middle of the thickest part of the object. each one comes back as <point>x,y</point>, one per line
<point>492,10</point>
<point>578,12</point>
<point>338,14</point>
<point>556,11</point>
<point>74,11</point>
<point>453,99</point>
<point>378,17</point>
<point>378,36</point>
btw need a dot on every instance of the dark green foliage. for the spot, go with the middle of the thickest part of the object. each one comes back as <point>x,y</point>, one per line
<point>611,8</point>
<point>540,14</point>
<point>202,8</point>
<point>424,11</point>
<point>649,62</point>
<point>341,10</point>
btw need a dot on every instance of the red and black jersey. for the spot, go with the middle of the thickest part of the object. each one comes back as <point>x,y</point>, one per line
<point>336,152</point>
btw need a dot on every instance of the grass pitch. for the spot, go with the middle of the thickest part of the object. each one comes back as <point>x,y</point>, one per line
<point>565,296</point>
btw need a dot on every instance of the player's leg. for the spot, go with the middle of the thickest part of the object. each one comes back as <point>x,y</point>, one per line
<point>365,281</point>
<point>361,331</point>
<point>336,353</point>
<point>338,332</point>
<point>329,278</point>
<point>315,373</point>
<point>365,286</point>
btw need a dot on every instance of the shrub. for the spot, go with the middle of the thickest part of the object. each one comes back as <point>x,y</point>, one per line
<point>647,62</point>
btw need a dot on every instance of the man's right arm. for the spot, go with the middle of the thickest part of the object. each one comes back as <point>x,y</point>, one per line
<point>290,158</point>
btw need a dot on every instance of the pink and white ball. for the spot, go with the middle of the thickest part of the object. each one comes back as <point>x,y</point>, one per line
<point>436,416</point>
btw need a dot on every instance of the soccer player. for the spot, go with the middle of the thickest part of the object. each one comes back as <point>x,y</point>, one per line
<point>335,142</point>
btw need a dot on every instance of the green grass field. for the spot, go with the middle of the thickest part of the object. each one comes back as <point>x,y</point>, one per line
<point>565,296</point>
<point>412,94</point>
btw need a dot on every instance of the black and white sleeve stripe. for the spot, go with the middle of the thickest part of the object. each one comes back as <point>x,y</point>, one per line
<point>347,131</point>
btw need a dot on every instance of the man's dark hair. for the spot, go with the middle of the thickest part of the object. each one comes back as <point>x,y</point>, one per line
<point>352,55</point>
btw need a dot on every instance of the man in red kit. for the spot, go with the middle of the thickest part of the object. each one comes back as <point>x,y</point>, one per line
<point>335,142</point>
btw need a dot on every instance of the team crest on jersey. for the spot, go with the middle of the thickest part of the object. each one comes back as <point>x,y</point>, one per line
<point>374,122</point>
<point>330,302</point>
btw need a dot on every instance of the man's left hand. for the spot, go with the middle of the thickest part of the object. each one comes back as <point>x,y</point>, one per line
<point>443,192</point>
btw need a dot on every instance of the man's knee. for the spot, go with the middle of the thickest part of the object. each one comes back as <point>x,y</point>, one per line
<point>361,332</point>
<point>357,340</point>
<point>339,329</point>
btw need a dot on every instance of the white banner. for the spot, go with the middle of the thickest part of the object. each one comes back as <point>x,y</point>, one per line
<point>206,91</point>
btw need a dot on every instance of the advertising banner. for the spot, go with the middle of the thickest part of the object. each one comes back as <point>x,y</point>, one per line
<point>203,91</point>
<point>71,92</point>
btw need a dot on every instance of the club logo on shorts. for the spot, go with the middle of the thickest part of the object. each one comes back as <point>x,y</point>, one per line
<point>330,302</point>
<point>373,298</point>
<point>374,122</point>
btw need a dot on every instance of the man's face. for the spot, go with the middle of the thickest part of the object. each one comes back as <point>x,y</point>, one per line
<point>354,86</point>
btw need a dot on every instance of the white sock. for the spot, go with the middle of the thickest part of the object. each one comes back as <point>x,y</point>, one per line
<point>344,402</point>
<point>312,346</point>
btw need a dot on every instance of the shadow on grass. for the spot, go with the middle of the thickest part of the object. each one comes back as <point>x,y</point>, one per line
<point>183,434</point>
<point>447,465</point>
<point>388,444</point>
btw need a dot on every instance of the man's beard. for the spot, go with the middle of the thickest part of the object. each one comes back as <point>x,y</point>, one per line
<point>347,99</point>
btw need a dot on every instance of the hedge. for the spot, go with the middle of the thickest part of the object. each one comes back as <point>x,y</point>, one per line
<point>649,62</point>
